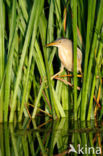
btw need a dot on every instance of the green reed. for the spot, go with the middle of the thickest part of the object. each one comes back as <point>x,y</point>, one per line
<point>26,65</point>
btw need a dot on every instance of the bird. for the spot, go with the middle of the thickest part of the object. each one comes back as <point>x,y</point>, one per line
<point>65,53</point>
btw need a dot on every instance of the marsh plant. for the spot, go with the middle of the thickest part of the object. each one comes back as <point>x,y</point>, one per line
<point>26,65</point>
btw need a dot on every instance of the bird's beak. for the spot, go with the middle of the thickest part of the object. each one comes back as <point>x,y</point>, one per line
<point>51,44</point>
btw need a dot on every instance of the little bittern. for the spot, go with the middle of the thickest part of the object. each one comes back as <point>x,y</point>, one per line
<point>65,52</point>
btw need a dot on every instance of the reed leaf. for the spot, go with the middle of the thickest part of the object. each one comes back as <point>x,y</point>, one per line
<point>75,55</point>
<point>37,100</point>
<point>9,66</point>
<point>65,96</point>
<point>23,8</point>
<point>2,54</point>
<point>57,105</point>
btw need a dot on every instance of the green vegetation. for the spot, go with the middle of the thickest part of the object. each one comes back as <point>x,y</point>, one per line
<point>26,65</point>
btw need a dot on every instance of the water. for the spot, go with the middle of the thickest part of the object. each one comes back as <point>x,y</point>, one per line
<point>55,138</point>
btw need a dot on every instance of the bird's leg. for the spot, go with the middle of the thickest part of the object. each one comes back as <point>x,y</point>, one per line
<point>61,70</point>
<point>69,79</point>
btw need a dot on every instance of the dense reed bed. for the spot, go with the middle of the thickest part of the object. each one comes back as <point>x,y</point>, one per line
<point>26,65</point>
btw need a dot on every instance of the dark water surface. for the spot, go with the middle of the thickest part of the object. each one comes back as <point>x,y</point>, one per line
<point>58,138</point>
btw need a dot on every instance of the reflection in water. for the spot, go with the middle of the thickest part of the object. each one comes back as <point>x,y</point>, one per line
<point>58,138</point>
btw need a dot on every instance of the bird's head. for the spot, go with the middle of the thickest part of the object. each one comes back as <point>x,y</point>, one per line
<point>58,43</point>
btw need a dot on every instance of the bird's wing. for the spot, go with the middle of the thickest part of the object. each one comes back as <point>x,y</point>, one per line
<point>79,55</point>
